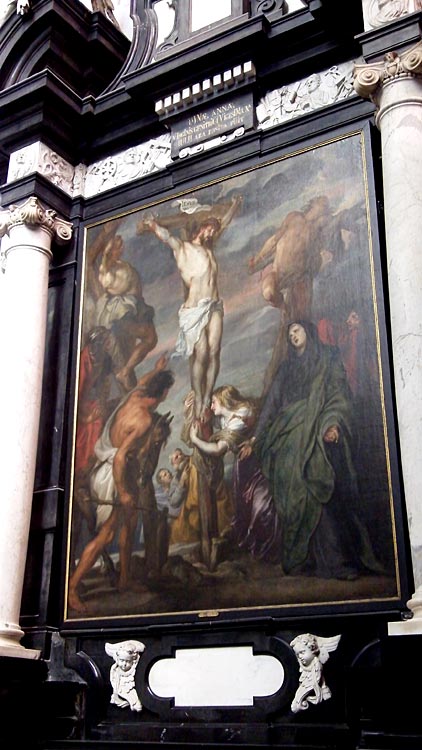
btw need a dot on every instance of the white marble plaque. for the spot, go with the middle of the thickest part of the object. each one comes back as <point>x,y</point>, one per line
<point>224,676</point>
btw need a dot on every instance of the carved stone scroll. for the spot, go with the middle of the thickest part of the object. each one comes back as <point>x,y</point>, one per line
<point>369,77</point>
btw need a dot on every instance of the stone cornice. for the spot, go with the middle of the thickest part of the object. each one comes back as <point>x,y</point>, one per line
<point>206,90</point>
<point>33,214</point>
<point>369,78</point>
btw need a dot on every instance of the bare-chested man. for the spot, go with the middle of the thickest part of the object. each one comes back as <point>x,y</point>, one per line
<point>119,304</point>
<point>292,257</point>
<point>201,315</point>
<point>123,437</point>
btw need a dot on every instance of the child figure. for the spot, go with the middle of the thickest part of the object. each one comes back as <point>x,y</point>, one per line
<point>126,655</point>
<point>312,652</point>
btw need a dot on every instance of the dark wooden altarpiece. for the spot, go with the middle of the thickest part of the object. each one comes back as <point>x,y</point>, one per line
<point>202,596</point>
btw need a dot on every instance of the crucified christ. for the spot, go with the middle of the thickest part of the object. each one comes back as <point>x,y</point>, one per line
<point>201,315</point>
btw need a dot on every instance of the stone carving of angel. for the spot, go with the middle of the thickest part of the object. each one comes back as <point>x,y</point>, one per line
<point>312,652</point>
<point>126,655</point>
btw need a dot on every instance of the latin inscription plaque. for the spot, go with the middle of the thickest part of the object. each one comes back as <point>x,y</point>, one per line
<point>212,121</point>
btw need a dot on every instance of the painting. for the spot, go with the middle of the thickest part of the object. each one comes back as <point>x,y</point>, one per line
<point>232,453</point>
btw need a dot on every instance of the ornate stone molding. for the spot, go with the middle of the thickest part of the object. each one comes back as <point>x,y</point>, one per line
<point>279,105</point>
<point>306,95</point>
<point>369,77</point>
<point>127,166</point>
<point>204,90</point>
<point>377,13</point>
<point>212,143</point>
<point>268,6</point>
<point>40,158</point>
<point>102,175</point>
<point>173,37</point>
<point>33,214</point>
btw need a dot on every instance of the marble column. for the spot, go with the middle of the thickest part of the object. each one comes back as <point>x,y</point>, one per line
<point>395,86</point>
<point>27,231</point>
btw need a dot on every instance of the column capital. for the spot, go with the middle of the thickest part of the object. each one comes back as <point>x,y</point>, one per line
<point>370,78</point>
<point>32,214</point>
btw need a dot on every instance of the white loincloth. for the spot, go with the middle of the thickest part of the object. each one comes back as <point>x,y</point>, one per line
<point>192,321</point>
<point>103,488</point>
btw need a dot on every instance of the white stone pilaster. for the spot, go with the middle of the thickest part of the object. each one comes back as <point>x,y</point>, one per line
<point>395,86</point>
<point>27,231</point>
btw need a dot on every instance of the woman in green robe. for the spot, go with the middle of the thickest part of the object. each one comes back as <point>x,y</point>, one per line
<point>304,442</point>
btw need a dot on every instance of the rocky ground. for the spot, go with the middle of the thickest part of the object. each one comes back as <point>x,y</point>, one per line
<point>237,582</point>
